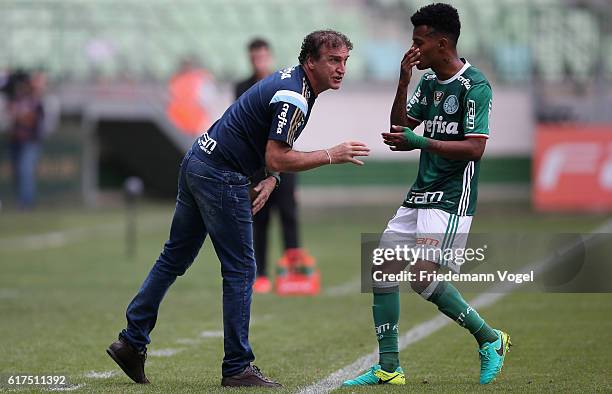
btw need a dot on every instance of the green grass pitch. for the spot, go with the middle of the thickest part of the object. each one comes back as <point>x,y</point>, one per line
<point>63,297</point>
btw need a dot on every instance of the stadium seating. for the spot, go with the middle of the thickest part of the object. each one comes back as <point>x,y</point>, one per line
<point>83,39</point>
<point>147,39</point>
<point>549,37</point>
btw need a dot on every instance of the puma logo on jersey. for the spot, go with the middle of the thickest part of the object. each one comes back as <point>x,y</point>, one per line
<point>286,72</point>
<point>440,126</point>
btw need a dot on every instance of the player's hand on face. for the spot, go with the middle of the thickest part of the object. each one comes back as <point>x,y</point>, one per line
<point>397,140</point>
<point>262,193</point>
<point>347,151</point>
<point>411,59</point>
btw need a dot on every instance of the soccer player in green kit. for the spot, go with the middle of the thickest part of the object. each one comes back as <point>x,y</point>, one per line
<point>453,103</point>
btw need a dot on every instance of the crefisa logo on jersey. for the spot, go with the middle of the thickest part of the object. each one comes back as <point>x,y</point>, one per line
<point>440,126</point>
<point>282,119</point>
<point>465,82</point>
<point>438,97</point>
<point>414,99</point>
<point>451,104</point>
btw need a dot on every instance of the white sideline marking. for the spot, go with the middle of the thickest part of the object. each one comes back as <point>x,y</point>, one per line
<point>187,341</point>
<point>57,239</point>
<point>101,375</point>
<point>50,240</point>
<point>257,319</point>
<point>54,239</point>
<point>168,352</point>
<point>68,388</point>
<point>425,329</point>
<point>211,334</point>
<point>352,286</point>
<point>6,294</point>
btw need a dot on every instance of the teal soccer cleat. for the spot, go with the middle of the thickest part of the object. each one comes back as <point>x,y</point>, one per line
<point>492,357</point>
<point>376,375</point>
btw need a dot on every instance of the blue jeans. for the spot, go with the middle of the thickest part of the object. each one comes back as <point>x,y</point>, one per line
<point>215,202</point>
<point>25,158</point>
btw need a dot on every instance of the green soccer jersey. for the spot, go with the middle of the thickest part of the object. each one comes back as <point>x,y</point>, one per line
<point>450,110</point>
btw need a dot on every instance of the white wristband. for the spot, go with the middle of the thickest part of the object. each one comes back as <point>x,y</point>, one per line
<point>328,155</point>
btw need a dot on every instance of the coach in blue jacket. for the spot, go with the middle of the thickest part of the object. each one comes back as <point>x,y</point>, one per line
<point>257,131</point>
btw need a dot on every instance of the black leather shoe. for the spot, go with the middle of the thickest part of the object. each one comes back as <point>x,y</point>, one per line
<point>251,376</point>
<point>129,359</point>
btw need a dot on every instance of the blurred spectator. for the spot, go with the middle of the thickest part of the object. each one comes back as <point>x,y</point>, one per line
<point>4,87</point>
<point>50,103</point>
<point>260,56</point>
<point>283,198</point>
<point>192,93</point>
<point>25,108</point>
<point>100,53</point>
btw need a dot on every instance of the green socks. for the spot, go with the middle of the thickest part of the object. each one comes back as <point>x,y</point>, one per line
<point>450,302</point>
<point>386,311</point>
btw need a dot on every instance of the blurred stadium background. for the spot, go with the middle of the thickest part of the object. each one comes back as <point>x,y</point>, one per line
<point>108,64</point>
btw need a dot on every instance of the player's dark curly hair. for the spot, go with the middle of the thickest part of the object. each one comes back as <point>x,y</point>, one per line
<point>314,41</point>
<point>442,18</point>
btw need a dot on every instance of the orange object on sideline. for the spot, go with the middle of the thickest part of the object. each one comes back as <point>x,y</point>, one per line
<point>185,109</point>
<point>262,285</point>
<point>299,284</point>
<point>297,274</point>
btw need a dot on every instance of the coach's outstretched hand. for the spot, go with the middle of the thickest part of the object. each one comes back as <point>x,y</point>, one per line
<point>347,151</point>
<point>263,191</point>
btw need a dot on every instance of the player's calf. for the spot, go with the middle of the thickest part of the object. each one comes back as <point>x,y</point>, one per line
<point>493,344</point>
<point>385,313</point>
<point>450,302</point>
